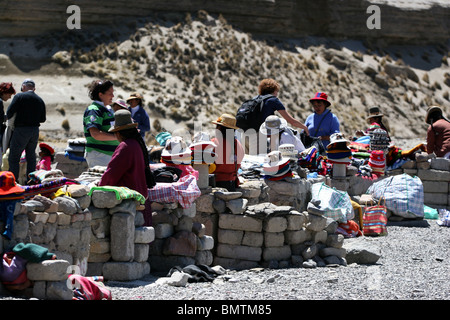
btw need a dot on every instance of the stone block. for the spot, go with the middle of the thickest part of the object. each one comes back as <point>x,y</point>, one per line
<point>253,239</point>
<point>67,238</point>
<point>98,213</point>
<point>435,186</point>
<point>122,237</point>
<point>230,236</point>
<point>296,236</point>
<point>144,235</point>
<point>330,251</point>
<point>239,222</point>
<point>163,230</point>
<point>58,291</point>
<point>275,224</point>
<point>77,190</point>
<point>37,217</point>
<point>273,239</point>
<point>48,270</point>
<point>433,175</point>
<point>335,240</point>
<point>183,243</point>
<point>21,227</point>
<point>319,236</point>
<point>435,198</point>
<point>104,199</point>
<point>141,252</point>
<point>63,219</point>
<point>316,223</point>
<point>126,206</point>
<point>185,223</point>
<point>125,271</point>
<point>204,203</point>
<point>165,263</point>
<point>205,243</point>
<point>68,205</point>
<point>99,257</point>
<point>440,164</point>
<point>100,246</point>
<point>276,253</point>
<point>239,252</point>
<point>199,229</point>
<point>84,201</point>
<point>204,257</point>
<point>237,206</point>
<point>101,227</point>
<point>295,220</point>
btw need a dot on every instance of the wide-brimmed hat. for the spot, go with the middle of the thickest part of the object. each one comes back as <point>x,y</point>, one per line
<point>176,149</point>
<point>337,137</point>
<point>122,121</point>
<point>275,160</point>
<point>227,120</point>
<point>121,103</point>
<point>8,184</point>
<point>272,125</point>
<point>135,95</point>
<point>374,112</point>
<point>202,138</point>
<point>43,145</point>
<point>321,96</point>
<point>431,110</point>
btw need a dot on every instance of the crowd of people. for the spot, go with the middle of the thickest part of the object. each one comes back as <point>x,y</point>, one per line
<point>115,132</point>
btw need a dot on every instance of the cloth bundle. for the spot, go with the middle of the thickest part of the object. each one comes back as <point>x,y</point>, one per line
<point>46,188</point>
<point>184,191</point>
<point>75,149</point>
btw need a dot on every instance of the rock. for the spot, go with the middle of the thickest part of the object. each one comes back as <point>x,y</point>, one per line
<point>68,205</point>
<point>361,252</point>
<point>237,206</point>
<point>183,243</point>
<point>226,196</point>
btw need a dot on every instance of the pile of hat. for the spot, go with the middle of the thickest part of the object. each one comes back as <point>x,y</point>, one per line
<point>377,162</point>
<point>277,167</point>
<point>202,149</point>
<point>338,150</point>
<point>176,152</point>
<point>379,140</point>
<point>288,151</point>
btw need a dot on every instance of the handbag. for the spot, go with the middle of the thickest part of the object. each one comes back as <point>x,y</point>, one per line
<point>375,220</point>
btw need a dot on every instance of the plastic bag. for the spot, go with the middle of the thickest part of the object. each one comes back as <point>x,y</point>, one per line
<point>334,203</point>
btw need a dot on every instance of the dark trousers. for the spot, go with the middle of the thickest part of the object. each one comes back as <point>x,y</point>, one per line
<point>23,138</point>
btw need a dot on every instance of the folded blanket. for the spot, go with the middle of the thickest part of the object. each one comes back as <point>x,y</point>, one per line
<point>121,193</point>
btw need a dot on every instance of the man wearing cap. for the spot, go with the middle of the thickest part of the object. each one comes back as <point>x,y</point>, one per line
<point>138,113</point>
<point>322,123</point>
<point>29,112</point>
<point>438,133</point>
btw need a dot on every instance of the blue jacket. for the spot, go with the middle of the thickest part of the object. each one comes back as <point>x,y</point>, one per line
<point>143,120</point>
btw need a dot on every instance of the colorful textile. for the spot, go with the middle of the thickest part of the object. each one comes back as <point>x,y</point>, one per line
<point>184,191</point>
<point>350,229</point>
<point>45,188</point>
<point>121,193</point>
<point>89,288</point>
<point>7,208</point>
<point>40,176</point>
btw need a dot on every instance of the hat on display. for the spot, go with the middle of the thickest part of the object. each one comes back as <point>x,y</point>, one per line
<point>8,184</point>
<point>176,151</point>
<point>321,96</point>
<point>122,121</point>
<point>336,138</point>
<point>43,145</point>
<point>202,148</point>
<point>275,162</point>
<point>227,120</point>
<point>121,103</point>
<point>272,125</point>
<point>379,140</point>
<point>377,161</point>
<point>162,137</point>
<point>202,138</point>
<point>288,150</point>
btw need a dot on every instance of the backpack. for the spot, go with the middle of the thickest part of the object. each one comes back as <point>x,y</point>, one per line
<point>249,114</point>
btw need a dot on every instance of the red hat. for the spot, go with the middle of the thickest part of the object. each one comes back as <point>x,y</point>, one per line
<point>8,184</point>
<point>43,145</point>
<point>321,96</point>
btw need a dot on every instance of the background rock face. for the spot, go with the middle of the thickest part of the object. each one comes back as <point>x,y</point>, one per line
<point>406,21</point>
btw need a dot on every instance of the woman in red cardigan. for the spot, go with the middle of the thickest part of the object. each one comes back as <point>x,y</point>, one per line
<point>229,153</point>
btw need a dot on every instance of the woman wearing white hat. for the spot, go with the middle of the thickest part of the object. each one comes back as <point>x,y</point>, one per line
<point>278,133</point>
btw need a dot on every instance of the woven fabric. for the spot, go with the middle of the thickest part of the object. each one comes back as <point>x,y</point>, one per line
<point>121,193</point>
<point>374,221</point>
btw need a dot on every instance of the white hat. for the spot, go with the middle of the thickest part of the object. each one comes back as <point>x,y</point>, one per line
<point>202,138</point>
<point>176,150</point>
<point>272,125</point>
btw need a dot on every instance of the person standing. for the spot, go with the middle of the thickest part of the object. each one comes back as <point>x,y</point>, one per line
<point>322,123</point>
<point>29,112</point>
<point>438,133</point>
<point>97,118</point>
<point>138,113</point>
<point>6,92</point>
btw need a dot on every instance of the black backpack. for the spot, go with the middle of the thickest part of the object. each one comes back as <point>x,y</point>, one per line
<point>249,114</point>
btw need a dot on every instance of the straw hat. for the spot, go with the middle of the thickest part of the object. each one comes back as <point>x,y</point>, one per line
<point>135,95</point>
<point>122,121</point>
<point>227,120</point>
<point>8,184</point>
<point>272,125</point>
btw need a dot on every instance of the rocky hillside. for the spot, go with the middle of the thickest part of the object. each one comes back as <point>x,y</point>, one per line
<point>193,67</point>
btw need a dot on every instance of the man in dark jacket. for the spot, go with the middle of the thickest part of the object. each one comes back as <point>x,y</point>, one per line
<point>29,112</point>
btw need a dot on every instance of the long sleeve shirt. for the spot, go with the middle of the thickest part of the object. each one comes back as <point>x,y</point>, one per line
<point>29,109</point>
<point>438,138</point>
<point>126,168</point>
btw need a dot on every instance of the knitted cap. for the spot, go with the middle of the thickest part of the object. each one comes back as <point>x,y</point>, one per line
<point>32,252</point>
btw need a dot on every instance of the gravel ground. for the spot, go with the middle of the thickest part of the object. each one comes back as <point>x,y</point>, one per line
<point>414,265</point>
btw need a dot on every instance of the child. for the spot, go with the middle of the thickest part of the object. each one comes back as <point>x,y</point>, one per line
<point>47,155</point>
